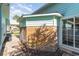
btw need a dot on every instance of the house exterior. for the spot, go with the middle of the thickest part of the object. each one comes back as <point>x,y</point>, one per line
<point>4,22</point>
<point>67,24</point>
<point>39,31</point>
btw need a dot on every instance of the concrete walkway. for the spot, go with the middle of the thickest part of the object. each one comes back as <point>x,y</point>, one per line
<point>9,46</point>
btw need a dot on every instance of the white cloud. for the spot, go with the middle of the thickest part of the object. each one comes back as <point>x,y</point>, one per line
<point>12,7</point>
<point>29,9</point>
<point>30,5</point>
<point>22,9</point>
<point>25,7</point>
<point>19,12</point>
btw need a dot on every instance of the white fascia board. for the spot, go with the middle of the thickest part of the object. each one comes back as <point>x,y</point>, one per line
<point>53,14</point>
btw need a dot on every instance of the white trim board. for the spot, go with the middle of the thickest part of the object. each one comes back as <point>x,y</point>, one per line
<point>53,14</point>
<point>70,48</point>
<point>41,23</point>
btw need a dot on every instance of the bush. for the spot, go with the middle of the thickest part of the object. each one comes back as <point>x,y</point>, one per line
<point>38,39</point>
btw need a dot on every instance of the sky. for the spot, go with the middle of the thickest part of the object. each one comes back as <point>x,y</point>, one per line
<point>23,8</point>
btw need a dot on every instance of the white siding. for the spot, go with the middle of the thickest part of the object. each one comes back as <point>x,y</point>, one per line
<point>40,23</point>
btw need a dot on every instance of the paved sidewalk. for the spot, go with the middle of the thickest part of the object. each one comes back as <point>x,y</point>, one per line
<point>9,46</point>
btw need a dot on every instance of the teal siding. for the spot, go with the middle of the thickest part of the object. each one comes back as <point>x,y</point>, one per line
<point>3,28</point>
<point>0,25</point>
<point>23,23</point>
<point>73,10</point>
<point>66,9</point>
<point>39,18</point>
<point>3,24</point>
<point>57,8</point>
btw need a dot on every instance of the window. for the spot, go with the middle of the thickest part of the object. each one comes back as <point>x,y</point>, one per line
<point>77,32</point>
<point>71,32</point>
<point>68,32</point>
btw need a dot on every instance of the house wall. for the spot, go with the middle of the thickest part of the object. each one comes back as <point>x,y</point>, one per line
<point>30,24</point>
<point>31,21</point>
<point>66,9</point>
<point>22,23</point>
<point>4,18</point>
<point>0,25</point>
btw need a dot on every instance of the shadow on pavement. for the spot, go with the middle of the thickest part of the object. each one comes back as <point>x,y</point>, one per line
<point>4,44</point>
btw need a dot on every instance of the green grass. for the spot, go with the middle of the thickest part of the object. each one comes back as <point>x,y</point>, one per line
<point>16,33</point>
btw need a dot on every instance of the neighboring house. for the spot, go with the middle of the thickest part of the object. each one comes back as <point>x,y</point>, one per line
<point>4,22</point>
<point>14,26</point>
<point>67,24</point>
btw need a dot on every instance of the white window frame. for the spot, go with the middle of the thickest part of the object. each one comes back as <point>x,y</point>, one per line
<point>71,48</point>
